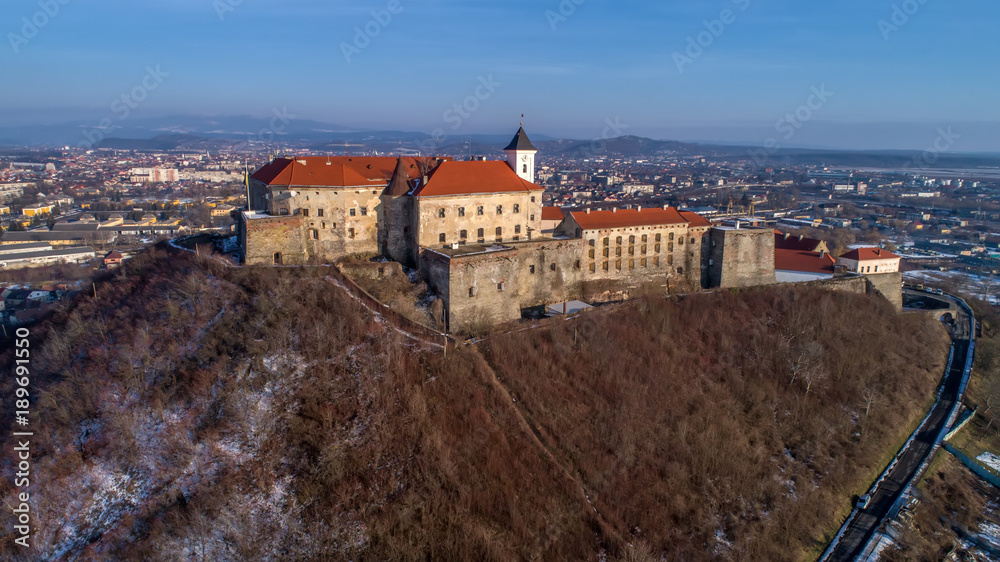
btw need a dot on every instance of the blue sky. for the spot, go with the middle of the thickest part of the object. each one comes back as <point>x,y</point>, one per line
<point>596,60</point>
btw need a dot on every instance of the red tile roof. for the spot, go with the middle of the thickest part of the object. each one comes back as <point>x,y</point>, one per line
<point>868,254</point>
<point>337,171</point>
<point>791,242</point>
<point>552,214</point>
<point>694,219</point>
<point>804,262</point>
<point>602,220</point>
<point>477,176</point>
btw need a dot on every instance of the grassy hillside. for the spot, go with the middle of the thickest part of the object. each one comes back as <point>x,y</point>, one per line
<point>198,411</point>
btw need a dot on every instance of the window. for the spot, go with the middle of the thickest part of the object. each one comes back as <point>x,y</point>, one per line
<point>680,240</point>
<point>618,251</point>
<point>618,241</point>
<point>607,241</point>
<point>499,231</point>
<point>656,261</point>
<point>631,264</point>
<point>671,236</point>
<point>643,262</point>
<point>691,240</point>
<point>364,211</point>
<point>314,234</point>
<point>441,238</point>
<point>631,239</point>
<point>591,253</point>
<point>645,238</point>
<point>353,212</point>
<point>499,209</point>
<point>657,248</point>
<point>461,211</point>
<point>618,265</point>
<point>350,233</point>
<point>305,212</point>
<point>606,252</point>
<point>480,233</point>
<point>532,198</point>
<point>440,213</point>
<point>479,210</point>
<point>552,267</point>
<point>631,250</point>
<point>642,249</point>
<point>605,266</point>
<point>576,264</point>
<point>517,208</point>
<point>531,269</point>
<point>593,268</point>
<point>876,269</point>
<point>592,243</point>
<point>283,212</point>
<point>472,292</point>
<point>500,286</point>
<point>670,247</point>
<point>680,271</point>
<point>319,212</point>
<point>532,217</point>
<point>524,169</point>
<point>463,234</point>
<point>670,260</point>
<point>517,238</point>
<point>517,229</point>
<point>277,258</point>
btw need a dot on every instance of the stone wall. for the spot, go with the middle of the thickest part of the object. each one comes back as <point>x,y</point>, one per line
<point>741,257</point>
<point>262,238</point>
<point>890,285</point>
<point>461,215</point>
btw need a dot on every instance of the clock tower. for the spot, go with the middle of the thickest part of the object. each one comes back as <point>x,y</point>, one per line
<point>521,156</point>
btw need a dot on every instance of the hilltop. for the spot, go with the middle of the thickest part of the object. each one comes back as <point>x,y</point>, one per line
<point>196,410</point>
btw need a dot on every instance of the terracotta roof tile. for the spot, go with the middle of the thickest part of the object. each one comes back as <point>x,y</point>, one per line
<point>602,220</point>
<point>868,254</point>
<point>477,176</point>
<point>338,171</point>
<point>805,262</point>
<point>552,214</point>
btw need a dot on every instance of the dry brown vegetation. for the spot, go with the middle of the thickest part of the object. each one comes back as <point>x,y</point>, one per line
<point>198,411</point>
<point>728,426</point>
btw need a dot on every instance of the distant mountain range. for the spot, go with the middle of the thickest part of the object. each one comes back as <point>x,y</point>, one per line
<point>282,130</point>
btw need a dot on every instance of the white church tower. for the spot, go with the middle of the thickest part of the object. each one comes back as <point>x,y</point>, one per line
<point>521,156</point>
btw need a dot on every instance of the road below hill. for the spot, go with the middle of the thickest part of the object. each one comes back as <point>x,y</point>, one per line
<point>864,522</point>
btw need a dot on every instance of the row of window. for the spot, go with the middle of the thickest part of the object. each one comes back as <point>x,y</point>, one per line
<point>480,211</point>
<point>645,238</point>
<point>481,233</point>
<point>322,212</point>
<point>314,233</point>
<point>606,252</point>
<point>606,266</point>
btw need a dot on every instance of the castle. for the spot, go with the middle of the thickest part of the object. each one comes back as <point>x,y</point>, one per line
<point>476,232</point>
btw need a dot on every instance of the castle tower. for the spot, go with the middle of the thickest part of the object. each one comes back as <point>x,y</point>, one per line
<point>396,231</point>
<point>521,156</point>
